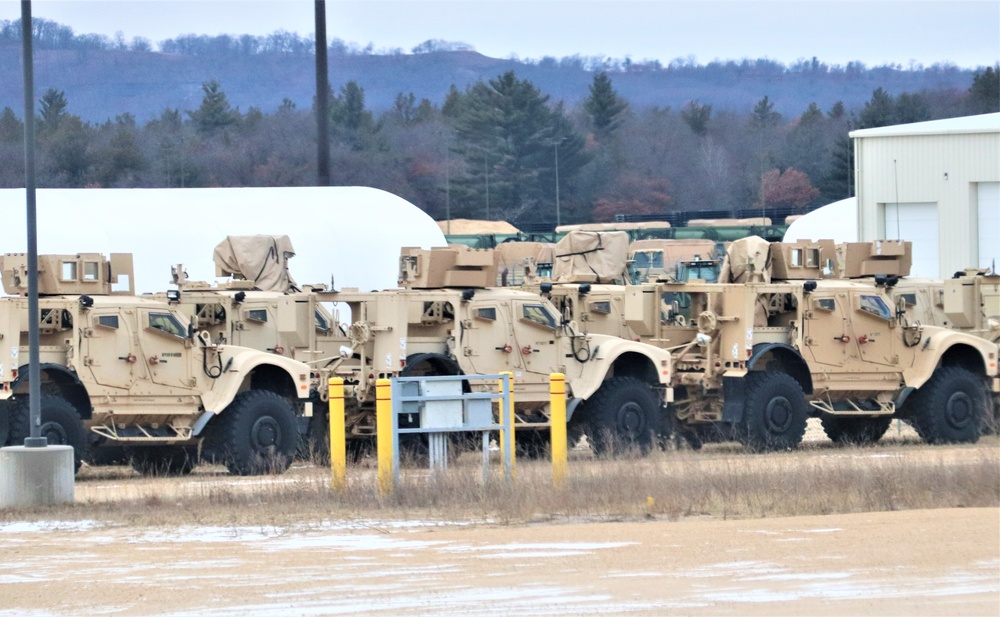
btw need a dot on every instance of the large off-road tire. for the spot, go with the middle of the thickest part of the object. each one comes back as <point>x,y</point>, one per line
<point>257,434</point>
<point>162,460</point>
<point>855,430</point>
<point>621,417</point>
<point>60,425</point>
<point>4,424</point>
<point>950,407</point>
<point>774,412</point>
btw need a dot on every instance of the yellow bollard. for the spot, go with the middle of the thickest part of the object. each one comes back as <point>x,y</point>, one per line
<point>507,440</point>
<point>338,438</point>
<point>383,428</point>
<point>557,429</point>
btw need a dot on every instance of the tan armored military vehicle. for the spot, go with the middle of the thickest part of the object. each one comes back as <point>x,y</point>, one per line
<point>446,320</point>
<point>969,302</point>
<point>760,355</point>
<point>126,370</point>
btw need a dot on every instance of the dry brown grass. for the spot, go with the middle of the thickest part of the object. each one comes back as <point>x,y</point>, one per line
<point>721,482</point>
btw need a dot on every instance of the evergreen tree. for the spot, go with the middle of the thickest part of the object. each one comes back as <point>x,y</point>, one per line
<point>984,94</point>
<point>11,129</point>
<point>879,111</point>
<point>52,109</point>
<point>764,116</point>
<point>352,124</point>
<point>215,112</point>
<point>696,116</point>
<point>509,136</point>
<point>604,106</point>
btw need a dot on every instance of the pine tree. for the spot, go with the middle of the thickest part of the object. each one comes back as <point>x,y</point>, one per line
<point>984,94</point>
<point>604,106</point>
<point>215,112</point>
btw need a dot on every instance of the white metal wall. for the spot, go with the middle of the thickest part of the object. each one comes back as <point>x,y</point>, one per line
<point>946,169</point>
<point>988,204</point>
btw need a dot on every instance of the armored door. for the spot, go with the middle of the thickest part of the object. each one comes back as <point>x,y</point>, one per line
<point>165,348</point>
<point>827,339</point>
<point>487,341</point>
<point>536,328</point>
<point>111,354</point>
<point>875,329</point>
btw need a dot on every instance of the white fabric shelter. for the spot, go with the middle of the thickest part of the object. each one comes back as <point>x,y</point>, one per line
<point>352,233</point>
<point>837,221</point>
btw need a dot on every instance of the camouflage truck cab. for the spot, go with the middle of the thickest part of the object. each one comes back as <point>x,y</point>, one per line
<point>132,371</point>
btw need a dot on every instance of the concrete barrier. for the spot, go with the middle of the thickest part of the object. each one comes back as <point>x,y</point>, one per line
<point>36,476</point>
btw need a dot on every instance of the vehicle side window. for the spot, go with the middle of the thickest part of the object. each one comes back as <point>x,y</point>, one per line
<point>539,314</point>
<point>259,315</point>
<point>909,298</point>
<point>488,313</point>
<point>874,305</point>
<point>167,323</point>
<point>322,323</point>
<point>603,307</point>
<point>108,321</point>
<point>826,304</point>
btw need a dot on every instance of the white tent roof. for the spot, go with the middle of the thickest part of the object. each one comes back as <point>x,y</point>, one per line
<point>983,123</point>
<point>837,221</point>
<point>352,233</point>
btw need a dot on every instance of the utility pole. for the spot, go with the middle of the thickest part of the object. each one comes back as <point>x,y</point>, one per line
<point>322,99</point>
<point>34,368</point>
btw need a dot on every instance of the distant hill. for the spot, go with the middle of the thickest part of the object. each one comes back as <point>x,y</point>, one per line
<point>102,83</point>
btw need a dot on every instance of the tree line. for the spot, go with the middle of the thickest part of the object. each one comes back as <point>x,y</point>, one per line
<point>499,149</point>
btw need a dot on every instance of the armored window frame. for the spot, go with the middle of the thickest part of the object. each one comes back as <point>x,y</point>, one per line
<point>874,305</point>
<point>601,307</point>
<point>825,304</point>
<point>257,315</point>
<point>167,323</point>
<point>107,321</point>
<point>910,298</point>
<point>539,315</point>
<point>489,313</point>
<point>68,271</point>
<point>322,323</point>
<point>91,271</point>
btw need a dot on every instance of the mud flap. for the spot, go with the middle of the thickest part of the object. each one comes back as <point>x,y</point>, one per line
<point>733,391</point>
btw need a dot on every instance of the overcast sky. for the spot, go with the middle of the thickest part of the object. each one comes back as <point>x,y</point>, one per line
<point>966,33</point>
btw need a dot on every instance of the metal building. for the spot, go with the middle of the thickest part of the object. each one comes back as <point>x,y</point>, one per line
<point>936,184</point>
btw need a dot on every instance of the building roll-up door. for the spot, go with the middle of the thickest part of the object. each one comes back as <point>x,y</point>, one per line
<point>988,201</point>
<point>918,223</point>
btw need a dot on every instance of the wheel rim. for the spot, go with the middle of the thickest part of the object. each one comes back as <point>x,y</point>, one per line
<point>778,415</point>
<point>959,410</point>
<point>265,434</point>
<point>54,433</point>
<point>631,420</point>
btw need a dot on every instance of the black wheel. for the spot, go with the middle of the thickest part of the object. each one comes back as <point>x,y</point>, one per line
<point>950,407</point>
<point>4,425</point>
<point>621,416</point>
<point>855,430</point>
<point>60,425</point>
<point>774,412</point>
<point>257,434</point>
<point>162,460</point>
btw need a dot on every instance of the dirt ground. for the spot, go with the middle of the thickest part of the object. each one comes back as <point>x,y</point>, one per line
<point>916,562</point>
<point>928,562</point>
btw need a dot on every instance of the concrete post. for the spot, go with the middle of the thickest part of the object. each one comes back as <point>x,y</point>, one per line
<point>36,476</point>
